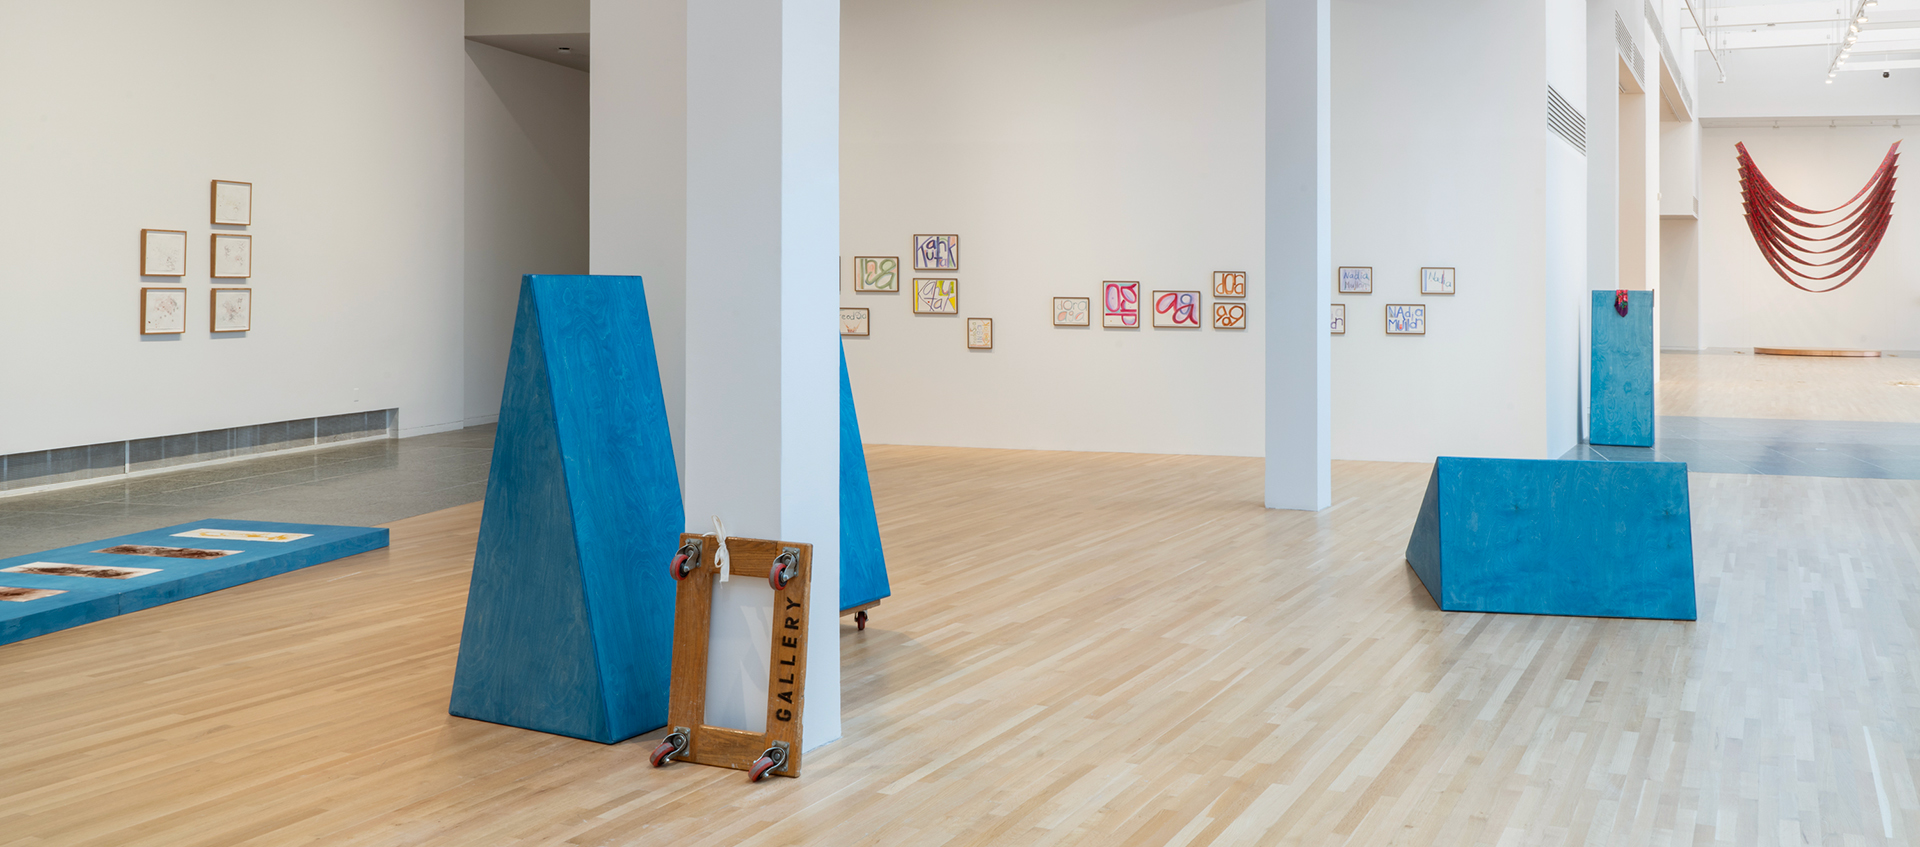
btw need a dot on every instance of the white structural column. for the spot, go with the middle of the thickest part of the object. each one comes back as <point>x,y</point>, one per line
<point>1300,255</point>
<point>763,236</point>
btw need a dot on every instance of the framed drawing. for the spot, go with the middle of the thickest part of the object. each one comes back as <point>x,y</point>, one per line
<point>163,252</point>
<point>1120,304</point>
<point>1436,280</point>
<point>1406,319</point>
<point>876,273</point>
<point>1339,325</point>
<point>232,255</point>
<point>1072,311</point>
<point>1176,309</point>
<point>1355,281</point>
<point>232,202</point>
<point>853,321</point>
<point>232,310</point>
<point>1229,316</point>
<point>936,252</point>
<point>1229,283</point>
<point>163,311</point>
<point>936,296</point>
<point>979,333</point>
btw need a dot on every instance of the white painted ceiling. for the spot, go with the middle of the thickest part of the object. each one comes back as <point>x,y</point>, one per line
<point>1889,39</point>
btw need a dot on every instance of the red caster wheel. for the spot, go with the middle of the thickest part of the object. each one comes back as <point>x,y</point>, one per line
<point>673,745</point>
<point>685,561</point>
<point>783,569</point>
<point>860,620</point>
<point>775,757</point>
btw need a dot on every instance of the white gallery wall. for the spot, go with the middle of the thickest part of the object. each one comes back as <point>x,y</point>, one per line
<point>346,116</point>
<point>526,200</point>
<point>1066,143</point>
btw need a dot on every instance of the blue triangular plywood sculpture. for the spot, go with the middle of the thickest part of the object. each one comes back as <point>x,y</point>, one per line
<point>569,625</point>
<point>863,566</point>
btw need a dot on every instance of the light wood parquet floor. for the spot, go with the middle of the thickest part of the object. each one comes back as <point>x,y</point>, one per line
<point>1081,649</point>
<point>1808,388</point>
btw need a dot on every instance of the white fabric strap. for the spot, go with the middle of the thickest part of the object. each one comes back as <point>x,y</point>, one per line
<point>720,558</point>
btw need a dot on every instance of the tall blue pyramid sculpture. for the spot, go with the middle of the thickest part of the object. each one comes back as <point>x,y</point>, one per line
<point>863,565</point>
<point>569,625</point>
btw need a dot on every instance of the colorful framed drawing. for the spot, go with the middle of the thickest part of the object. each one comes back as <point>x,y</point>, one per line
<point>1406,319</point>
<point>1072,311</point>
<point>1176,309</point>
<point>936,296</point>
<point>876,273</point>
<point>1355,281</point>
<point>854,321</point>
<point>979,333</point>
<point>936,252</point>
<point>232,255</point>
<point>232,202</point>
<point>163,252</point>
<point>1229,316</point>
<point>1339,324</point>
<point>1120,304</point>
<point>1436,280</point>
<point>1229,283</point>
<point>231,310</point>
<point>163,311</point>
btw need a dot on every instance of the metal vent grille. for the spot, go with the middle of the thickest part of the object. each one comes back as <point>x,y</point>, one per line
<point>1566,121</point>
<point>1629,50</point>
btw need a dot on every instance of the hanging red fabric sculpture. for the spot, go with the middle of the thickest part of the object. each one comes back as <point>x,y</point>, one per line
<point>1792,252</point>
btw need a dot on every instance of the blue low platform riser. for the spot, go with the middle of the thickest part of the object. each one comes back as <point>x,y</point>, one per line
<point>1620,407</point>
<point>90,599</point>
<point>1598,539</point>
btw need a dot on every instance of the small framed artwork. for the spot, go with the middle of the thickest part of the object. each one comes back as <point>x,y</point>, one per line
<point>232,202</point>
<point>936,252</point>
<point>1229,283</point>
<point>1339,324</point>
<point>163,311</point>
<point>979,333</point>
<point>232,255</point>
<point>232,310</point>
<point>163,252</point>
<point>876,273</point>
<point>1176,309</point>
<point>1120,304</point>
<point>1355,281</point>
<point>1436,280</point>
<point>936,296</point>
<point>1072,311</point>
<point>1406,319</point>
<point>1229,316</point>
<point>853,321</point>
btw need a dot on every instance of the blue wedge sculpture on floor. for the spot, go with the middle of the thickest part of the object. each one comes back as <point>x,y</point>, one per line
<point>1620,398</point>
<point>569,624</point>
<point>863,565</point>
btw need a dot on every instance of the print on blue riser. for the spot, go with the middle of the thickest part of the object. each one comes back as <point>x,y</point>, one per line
<point>863,565</point>
<point>569,625</point>
<point>89,599</point>
<point>1620,407</point>
<point>1544,537</point>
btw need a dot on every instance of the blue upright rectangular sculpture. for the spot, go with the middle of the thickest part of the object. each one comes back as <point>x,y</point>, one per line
<point>1620,407</point>
<point>1599,539</point>
<point>863,565</point>
<point>569,625</point>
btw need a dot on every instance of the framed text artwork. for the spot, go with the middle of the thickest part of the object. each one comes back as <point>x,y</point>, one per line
<point>1355,281</point>
<point>854,321</point>
<point>1406,319</point>
<point>232,202</point>
<point>936,252</point>
<point>979,333</point>
<point>163,252</point>
<point>232,255</point>
<point>936,296</point>
<point>1339,323</point>
<point>1176,309</point>
<point>1229,283</point>
<point>1436,280</point>
<point>231,310</point>
<point>1120,304</point>
<point>876,273</point>
<point>1072,311</point>
<point>1229,316</point>
<point>163,311</point>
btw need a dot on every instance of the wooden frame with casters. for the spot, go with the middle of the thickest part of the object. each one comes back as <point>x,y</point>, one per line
<point>787,567</point>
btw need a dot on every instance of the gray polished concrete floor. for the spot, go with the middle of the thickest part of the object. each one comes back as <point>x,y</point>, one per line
<point>364,484</point>
<point>1846,449</point>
